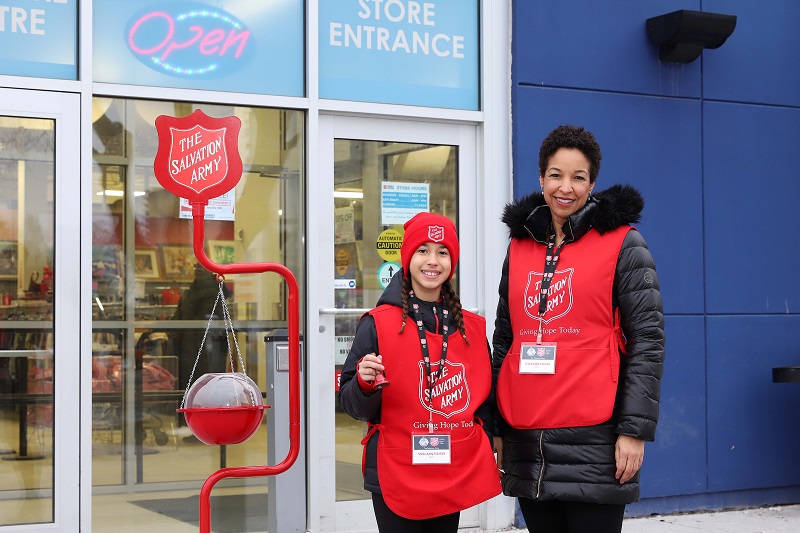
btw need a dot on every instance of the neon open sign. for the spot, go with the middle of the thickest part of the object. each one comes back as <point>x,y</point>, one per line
<point>189,39</point>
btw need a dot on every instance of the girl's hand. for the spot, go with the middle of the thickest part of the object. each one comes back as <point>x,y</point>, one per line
<point>369,366</point>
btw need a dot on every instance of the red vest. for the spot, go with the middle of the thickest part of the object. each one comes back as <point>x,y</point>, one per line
<point>425,491</point>
<point>579,318</point>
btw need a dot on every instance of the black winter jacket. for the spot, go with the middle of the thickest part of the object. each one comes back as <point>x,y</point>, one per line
<point>577,463</point>
<point>367,406</point>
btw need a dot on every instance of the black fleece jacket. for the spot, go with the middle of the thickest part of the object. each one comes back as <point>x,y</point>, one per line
<point>577,464</point>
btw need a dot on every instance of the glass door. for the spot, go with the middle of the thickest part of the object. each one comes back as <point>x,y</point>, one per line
<point>375,175</point>
<point>39,299</point>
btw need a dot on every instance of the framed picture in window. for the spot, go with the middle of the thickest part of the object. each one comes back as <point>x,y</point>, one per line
<point>179,262</point>
<point>222,252</point>
<point>145,263</point>
<point>8,259</point>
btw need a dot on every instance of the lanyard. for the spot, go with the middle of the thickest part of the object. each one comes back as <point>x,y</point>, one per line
<point>550,262</point>
<point>423,342</point>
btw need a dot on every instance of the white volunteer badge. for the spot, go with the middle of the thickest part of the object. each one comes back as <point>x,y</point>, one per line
<point>430,449</point>
<point>537,358</point>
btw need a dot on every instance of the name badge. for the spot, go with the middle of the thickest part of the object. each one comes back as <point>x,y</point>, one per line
<point>537,358</point>
<point>430,449</point>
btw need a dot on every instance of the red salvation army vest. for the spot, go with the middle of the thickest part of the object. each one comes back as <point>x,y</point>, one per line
<point>418,492</point>
<point>579,318</point>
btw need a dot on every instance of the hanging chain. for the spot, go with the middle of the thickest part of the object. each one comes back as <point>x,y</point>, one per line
<point>228,322</point>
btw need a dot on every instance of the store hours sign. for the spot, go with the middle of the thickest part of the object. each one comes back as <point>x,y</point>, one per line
<point>400,52</point>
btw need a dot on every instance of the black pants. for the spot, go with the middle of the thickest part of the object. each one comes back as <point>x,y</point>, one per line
<point>389,522</point>
<point>571,517</point>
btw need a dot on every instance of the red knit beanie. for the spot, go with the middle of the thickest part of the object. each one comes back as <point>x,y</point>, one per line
<point>428,227</point>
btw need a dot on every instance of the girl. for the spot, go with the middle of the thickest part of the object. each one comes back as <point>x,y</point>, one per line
<point>419,373</point>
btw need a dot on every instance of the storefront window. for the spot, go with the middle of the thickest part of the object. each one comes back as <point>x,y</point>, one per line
<point>152,301</point>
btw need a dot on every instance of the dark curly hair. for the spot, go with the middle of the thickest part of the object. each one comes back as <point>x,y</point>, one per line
<point>571,137</point>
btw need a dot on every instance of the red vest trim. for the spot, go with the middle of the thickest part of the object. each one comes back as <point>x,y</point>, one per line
<point>579,318</point>
<point>418,492</point>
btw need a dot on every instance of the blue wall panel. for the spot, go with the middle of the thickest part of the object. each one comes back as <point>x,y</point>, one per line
<point>651,143</point>
<point>759,61</point>
<point>750,200</point>
<point>676,462</point>
<point>717,167</point>
<point>753,423</point>
<point>598,45</point>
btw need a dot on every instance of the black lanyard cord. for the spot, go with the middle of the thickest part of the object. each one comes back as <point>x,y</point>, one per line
<point>550,262</point>
<point>423,341</point>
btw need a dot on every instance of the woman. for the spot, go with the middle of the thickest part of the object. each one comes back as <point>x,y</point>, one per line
<point>578,345</point>
<point>419,373</point>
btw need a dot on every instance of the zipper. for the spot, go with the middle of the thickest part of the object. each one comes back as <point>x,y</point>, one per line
<point>541,470</point>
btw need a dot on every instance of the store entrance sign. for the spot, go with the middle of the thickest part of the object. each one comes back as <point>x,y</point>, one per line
<point>409,52</point>
<point>39,39</point>
<point>198,156</point>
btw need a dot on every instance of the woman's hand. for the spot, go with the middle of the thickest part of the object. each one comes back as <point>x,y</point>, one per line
<point>498,449</point>
<point>629,454</point>
<point>369,366</point>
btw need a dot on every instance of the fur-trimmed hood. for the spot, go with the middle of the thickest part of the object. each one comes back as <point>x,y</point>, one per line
<point>606,210</point>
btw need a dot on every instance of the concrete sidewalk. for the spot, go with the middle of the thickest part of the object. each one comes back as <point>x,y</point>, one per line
<point>776,519</point>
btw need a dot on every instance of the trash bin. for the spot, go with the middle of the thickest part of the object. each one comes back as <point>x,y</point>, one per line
<point>277,342</point>
<point>286,497</point>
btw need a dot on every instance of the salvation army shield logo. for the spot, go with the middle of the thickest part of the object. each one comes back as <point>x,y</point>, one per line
<point>434,441</point>
<point>198,167</point>
<point>450,394</point>
<point>436,233</point>
<point>198,156</point>
<point>559,295</point>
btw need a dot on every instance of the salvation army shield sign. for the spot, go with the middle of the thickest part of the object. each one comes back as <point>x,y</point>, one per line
<point>198,156</point>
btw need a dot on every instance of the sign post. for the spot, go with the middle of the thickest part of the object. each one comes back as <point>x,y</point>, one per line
<point>198,159</point>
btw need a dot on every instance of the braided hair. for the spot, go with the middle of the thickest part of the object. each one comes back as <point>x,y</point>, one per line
<point>404,298</point>
<point>450,298</point>
<point>454,304</point>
